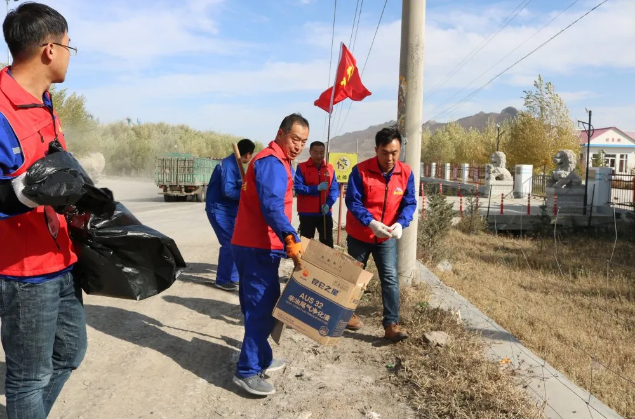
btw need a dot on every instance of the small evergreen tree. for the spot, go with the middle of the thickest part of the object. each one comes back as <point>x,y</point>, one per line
<point>435,228</point>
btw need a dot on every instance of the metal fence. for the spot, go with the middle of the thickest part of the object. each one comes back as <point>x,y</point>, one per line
<point>478,174</point>
<point>475,173</point>
<point>539,184</point>
<point>622,190</point>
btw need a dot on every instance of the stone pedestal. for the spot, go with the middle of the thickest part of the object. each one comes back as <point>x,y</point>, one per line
<point>524,180</point>
<point>465,173</point>
<point>600,190</point>
<point>570,200</point>
<point>498,187</point>
<point>447,171</point>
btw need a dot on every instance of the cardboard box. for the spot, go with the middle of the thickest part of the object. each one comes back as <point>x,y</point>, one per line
<point>320,298</point>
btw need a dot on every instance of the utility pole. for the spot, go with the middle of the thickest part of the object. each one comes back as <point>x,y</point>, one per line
<point>589,133</point>
<point>409,120</point>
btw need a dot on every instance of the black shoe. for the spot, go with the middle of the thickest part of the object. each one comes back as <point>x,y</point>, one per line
<point>230,286</point>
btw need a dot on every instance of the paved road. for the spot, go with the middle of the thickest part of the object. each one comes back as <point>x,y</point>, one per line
<point>173,355</point>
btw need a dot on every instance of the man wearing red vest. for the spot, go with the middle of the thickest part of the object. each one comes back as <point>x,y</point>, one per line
<point>43,325</point>
<point>381,202</point>
<point>262,236</point>
<point>317,190</point>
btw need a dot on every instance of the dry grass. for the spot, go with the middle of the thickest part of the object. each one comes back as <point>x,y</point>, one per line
<point>566,309</point>
<point>456,381</point>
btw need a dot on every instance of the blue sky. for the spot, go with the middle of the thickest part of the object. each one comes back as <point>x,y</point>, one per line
<point>240,66</point>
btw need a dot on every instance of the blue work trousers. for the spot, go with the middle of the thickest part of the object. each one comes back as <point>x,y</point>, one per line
<point>223,223</point>
<point>385,257</point>
<point>259,291</point>
<point>44,340</point>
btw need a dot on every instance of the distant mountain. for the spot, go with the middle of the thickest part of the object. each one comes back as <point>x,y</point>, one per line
<point>478,121</point>
<point>365,139</point>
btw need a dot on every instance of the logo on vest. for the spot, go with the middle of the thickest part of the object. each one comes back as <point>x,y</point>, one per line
<point>244,187</point>
<point>398,191</point>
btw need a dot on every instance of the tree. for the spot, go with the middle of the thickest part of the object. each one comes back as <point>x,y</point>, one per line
<point>433,231</point>
<point>71,109</point>
<point>440,147</point>
<point>542,129</point>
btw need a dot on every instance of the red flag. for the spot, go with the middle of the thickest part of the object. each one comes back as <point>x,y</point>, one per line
<point>347,84</point>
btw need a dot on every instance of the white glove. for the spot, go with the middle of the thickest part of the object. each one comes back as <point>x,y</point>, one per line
<point>397,230</point>
<point>380,229</point>
<point>19,183</point>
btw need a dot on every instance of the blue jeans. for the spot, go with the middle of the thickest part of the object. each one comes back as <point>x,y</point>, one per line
<point>258,293</point>
<point>385,257</point>
<point>44,340</point>
<point>223,224</point>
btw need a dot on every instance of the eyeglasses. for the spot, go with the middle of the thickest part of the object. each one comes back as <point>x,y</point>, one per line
<point>71,50</point>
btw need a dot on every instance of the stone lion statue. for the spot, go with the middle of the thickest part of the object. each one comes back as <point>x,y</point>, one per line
<point>564,175</point>
<point>496,171</point>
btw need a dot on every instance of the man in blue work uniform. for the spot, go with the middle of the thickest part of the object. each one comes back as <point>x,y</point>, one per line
<point>317,190</point>
<point>221,205</point>
<point>262,236</point>
<point>381,202</point>
<point>43,324</point>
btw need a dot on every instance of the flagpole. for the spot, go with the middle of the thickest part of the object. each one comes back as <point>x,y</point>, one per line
<point>328,133</point>
<point>328,136</point>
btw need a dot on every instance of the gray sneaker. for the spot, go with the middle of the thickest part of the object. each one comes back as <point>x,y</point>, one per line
<point>276,365</point>
<point>230,286</point>
<point>255,384</point>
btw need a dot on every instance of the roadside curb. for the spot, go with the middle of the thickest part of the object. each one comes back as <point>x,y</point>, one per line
<point>561,398</point>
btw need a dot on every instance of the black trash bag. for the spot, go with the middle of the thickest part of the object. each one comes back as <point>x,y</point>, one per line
<point>97,201</point>
<point>122,258</point>
<point>56,180</point>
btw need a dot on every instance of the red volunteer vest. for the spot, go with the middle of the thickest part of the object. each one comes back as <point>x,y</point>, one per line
<point>251,229</point>
<point>313,204</point>
<point>381,199</point>
<point>27,247</point>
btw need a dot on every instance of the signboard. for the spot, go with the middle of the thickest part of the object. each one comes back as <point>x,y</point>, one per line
<point>342,164</point>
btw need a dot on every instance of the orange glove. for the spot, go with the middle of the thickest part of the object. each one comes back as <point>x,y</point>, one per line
<point>294,250</point>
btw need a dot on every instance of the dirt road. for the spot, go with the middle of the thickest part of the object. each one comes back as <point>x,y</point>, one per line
<point>173,356</point>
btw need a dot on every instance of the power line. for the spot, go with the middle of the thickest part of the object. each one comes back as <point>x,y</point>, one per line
<point>510,53</point>
<point>331,59</point>
<point>366,61</point>
<point>337,113</point>
<point>487,40</point>
<point>350,38</point>
<point>357,29</point>
<point>471,95</point>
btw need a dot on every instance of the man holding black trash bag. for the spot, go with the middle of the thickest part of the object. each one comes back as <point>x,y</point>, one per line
<point>43,324</point>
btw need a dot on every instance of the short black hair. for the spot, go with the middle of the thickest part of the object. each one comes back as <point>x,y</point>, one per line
<point>246,146</point>
<point>31,25</point>
<point>316,144</point>
<point>290,120</point>
<point>387,135</point>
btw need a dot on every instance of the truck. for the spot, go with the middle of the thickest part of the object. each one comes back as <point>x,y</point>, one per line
<point>179,175</point>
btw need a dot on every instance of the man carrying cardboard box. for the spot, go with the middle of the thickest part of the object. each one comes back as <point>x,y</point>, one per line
<point>263,235</point>
<point>381,202</point>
